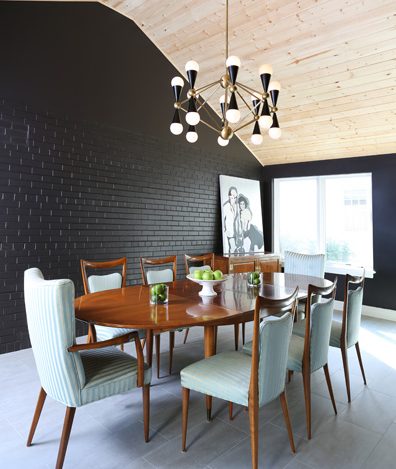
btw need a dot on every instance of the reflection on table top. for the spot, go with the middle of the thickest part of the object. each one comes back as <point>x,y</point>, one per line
<point>130,307</point>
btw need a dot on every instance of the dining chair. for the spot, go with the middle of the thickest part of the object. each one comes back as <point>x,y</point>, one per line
<point>96,283</point>
<point>239,268</point>
<point>205,261</point>
<point>251,381</point>
<point>309,344</point>
<point>76,375</point>
<point>150,275</point>
<point>345,334</point>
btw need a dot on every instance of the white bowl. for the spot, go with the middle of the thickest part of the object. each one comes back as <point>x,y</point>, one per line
<point>207,285</point>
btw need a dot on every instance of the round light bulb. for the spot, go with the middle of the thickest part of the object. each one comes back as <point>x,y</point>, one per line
<point>222,142</point>
<point>274,85</point>
<point>233,115</point>
<point>256,139</point>
<point>192,65</point>
<point>192,118</point>
<point>233,60</point>
<point>177,81</point>
<point>265,69</point>
<point>222,99</point>
<point>191,137</point>
<point>275,133</point>
<point>176,128</point>
<point>265,122</point>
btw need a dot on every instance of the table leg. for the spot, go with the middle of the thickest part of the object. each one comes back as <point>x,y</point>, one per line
<point>149,346</point>
<point>210,349</point>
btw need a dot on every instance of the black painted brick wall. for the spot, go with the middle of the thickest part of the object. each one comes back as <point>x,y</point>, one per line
<point>72,190</point>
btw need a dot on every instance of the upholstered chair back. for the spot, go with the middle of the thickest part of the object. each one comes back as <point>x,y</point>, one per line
<point>354,314</point>
<point>304,264</point>
<point>51,323</point>
<point>202,267</point>
<point>159,276</point>
<point>98,283</point>
<point>321,319</point>
<point>274,336</point>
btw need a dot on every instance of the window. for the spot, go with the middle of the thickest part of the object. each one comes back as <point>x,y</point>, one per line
<point>331,214</point>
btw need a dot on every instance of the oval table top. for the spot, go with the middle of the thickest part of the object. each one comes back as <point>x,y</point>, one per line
<point>130,307</point>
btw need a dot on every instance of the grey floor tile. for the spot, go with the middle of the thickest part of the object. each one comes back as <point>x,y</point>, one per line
<point>384,454</point>
<point>339,387</point>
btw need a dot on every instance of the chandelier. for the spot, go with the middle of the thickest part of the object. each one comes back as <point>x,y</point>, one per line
<point>258,111</point>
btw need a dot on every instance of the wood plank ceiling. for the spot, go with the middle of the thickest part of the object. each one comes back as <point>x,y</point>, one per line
<point>335,59</point>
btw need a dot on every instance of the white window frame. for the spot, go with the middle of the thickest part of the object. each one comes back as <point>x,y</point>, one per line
<point>330,266</point>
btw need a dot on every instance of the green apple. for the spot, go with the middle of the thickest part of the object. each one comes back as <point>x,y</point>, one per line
<point>207,275</point>
<point>198,274</point>
<point>160,288</point>
<point>256,281</point>
<point>218,274</point>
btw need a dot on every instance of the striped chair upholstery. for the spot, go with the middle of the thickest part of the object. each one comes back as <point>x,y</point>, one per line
<point>74,379</point>
<point>98,283</point>
<point>304,264</point>
<point>192,269</point>
<point>227,375</point>
<point>159,276</point>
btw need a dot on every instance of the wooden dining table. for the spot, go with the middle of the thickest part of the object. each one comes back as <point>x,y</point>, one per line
<point>130,307</point>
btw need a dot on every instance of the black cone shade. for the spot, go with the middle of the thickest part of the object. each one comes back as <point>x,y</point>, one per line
<point>233,72</point>
<point>265,79</point>
<point>192,76</point>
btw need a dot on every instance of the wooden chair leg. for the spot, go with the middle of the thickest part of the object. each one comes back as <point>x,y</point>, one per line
<point>236,335</point>
<point>158,352</point>
<point>36,416</point>
<point>344,354</point>
<point>230,407</point>
<point>307,396</point>
<point>285,410</point>
<point>253,420</point>
<point>67,426</point>
<point>186,397</point>
<point>171,347</point>
<point>186,335</point>
<point>208,402</point>
<point>289,375</point>
<point>143,343</point>
<point>243,333</point>
<point>122,347</point>
<point>146,411</point>
<point>91,334</point>
<point>357,347</point>
<point>215,338</point>
<point>330,387</point>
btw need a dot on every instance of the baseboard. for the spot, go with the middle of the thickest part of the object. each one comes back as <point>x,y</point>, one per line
<point>372,311</point>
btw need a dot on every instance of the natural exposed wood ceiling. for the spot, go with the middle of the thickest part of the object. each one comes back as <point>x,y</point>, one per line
<point>335,59</point>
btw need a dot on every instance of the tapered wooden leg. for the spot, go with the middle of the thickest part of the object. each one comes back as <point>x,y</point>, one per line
<point>210,349</point>
<point>149,347</point>
<point>186,335</point>
<point>307,396</point>
<point>122,347</point>
<point>230,407</point>
<point>158,352</point>
<point>357,347</point>
<point>243,333</point>
<point>186,397</point>
<point>171,346</point>
<point>330,387</point>
<point>253,420</point>
<point>215,339</point>
<point>143,343</point>
<point>344,354</point>
<point>289,375</point>
<point>285,410</point>
<point>91,334</point>
<point>67,426</point>
<point>146,411</point>
<point>236,335</point>
<point>36,416</point>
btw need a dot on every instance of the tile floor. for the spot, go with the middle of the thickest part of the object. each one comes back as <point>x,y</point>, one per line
<point>109,434</point>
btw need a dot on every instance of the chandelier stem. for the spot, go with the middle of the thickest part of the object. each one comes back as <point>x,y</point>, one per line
<point>226,51</point>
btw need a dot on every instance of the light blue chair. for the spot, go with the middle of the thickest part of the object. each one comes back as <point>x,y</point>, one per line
<point>251,381</point>
<point>150,276</point>
<point>97,283</point>
<point>76,375</point>
<point>345,334</point>
<point>309,344</point>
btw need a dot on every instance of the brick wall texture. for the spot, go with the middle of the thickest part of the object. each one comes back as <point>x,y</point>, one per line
<point>72,190</point>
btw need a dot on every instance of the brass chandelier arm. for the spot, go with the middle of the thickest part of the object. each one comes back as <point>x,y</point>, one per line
<point>246,88</point>
<point>206,87</point>
<point>244,125</point>
<point>210,126</point>
<point>207,99</point>
<point>246,104</point>
<point>208,113</point>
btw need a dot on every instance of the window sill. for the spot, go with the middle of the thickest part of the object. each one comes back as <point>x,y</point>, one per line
<point>343,269</point>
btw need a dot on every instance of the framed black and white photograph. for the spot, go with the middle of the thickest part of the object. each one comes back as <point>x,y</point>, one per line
<point>241,215</point>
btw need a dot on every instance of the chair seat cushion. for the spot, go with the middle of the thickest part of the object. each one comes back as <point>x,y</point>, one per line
<point>106,333</point>
<point>109,371</point>
<point>226,376</point>
<point>296,350</point>
<point>335,335</point>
